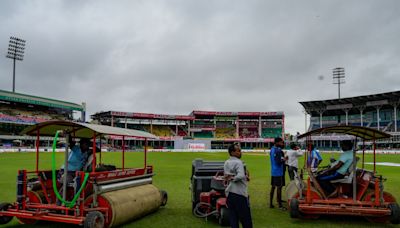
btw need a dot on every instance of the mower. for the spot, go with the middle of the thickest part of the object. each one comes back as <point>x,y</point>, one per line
<point>359,193</point>
<point>106,196</point>
<point>208,190</point>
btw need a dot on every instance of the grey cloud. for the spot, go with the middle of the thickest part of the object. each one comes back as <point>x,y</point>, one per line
<point>175,56</point>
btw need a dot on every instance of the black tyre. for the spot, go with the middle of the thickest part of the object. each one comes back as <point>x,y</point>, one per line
<point>294,208</point>
<point>223,219</point>
<point>164,197</point>
<point>94,219</point>
<point>395,215</point>
<point>5,219</point>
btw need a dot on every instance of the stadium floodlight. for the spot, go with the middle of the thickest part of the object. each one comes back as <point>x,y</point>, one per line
<point>338,77</point>
<point>16,49</point>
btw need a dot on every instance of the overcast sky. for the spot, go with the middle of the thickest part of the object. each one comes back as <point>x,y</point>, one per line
<point>172,57</point>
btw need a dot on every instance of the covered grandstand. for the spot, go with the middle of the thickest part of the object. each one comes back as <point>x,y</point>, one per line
<point>167,127</point>
<point>218,129</point>
<point>379,111</point>
<point>19,110</point>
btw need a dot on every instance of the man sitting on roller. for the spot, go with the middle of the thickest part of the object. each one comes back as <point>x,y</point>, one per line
<point>77,158</point>
<point>339,170</point>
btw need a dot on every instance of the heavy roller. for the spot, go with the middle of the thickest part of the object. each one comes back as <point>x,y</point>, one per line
<point>102,197</point>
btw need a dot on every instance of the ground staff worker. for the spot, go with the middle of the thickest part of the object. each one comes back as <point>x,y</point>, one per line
<point>277,176</point>
<point>293,163</point>
<point>237,196</point>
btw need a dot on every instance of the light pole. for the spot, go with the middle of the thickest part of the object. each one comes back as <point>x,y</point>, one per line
<point>305,120</point>
<point>338,77</point>
<point>16,49</point>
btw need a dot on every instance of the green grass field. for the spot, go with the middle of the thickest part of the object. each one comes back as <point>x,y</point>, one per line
<point>173,171</point>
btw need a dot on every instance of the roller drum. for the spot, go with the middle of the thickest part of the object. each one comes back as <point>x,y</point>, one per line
<point>132,203</point>
<point>291,190</point>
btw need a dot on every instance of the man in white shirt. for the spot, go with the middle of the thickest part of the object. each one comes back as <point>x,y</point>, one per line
<point>293,164</point>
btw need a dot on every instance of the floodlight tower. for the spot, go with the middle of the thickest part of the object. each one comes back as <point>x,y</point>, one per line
<point>338,77</point>
<point>16,49</point>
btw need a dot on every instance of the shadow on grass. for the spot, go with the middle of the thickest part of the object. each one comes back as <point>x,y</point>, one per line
<point>336,221</point>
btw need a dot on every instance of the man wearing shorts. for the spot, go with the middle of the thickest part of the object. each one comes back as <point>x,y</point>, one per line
<point>277,177</point>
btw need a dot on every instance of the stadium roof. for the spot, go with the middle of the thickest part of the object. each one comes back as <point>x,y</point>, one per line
<point>35,100</point>
<point>82,130</point>
<point>358,131</point>
<point>142,115</point>
<point>352,103</point>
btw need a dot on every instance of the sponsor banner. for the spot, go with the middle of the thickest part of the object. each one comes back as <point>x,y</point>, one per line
<point>206,113</point>
<point>171,138</point>
<point>116,137</point>
<point>125,114</point>
<point>271,114</point>
<point>374,103</point>
<point>196,146</point>
<point>173,117</point>
<point>226,113</point>
<point>339,106</point>
<point>151,116</point>
<point>331,137</point>
<point>246,140</point>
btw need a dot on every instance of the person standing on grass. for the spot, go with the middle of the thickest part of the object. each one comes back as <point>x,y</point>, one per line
<point>293,154</point>
<point>315,159</point>
<point>237,197</point>
<point>277,179</point>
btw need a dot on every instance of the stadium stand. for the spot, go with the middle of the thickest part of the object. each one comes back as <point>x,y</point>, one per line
<point>162,131</point>
<point>220,129</point>
<point>223,133</point>
<point>248,133</point>
<point>182,131</point>
<point>271,132</point>
<point>379,111</point>
<point>17,111</point>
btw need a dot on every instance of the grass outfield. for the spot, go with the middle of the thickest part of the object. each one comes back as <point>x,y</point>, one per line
<point>172,174</point>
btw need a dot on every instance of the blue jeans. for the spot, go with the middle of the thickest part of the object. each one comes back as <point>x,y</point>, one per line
<point>324,181</point>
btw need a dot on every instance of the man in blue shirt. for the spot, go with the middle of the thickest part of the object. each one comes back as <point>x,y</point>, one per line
<point>77,158</point>
<point>76,161</point>
<point>315,159</point>
<point>277,177</point>
<point>339,170</point>
<point>78,155</point>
